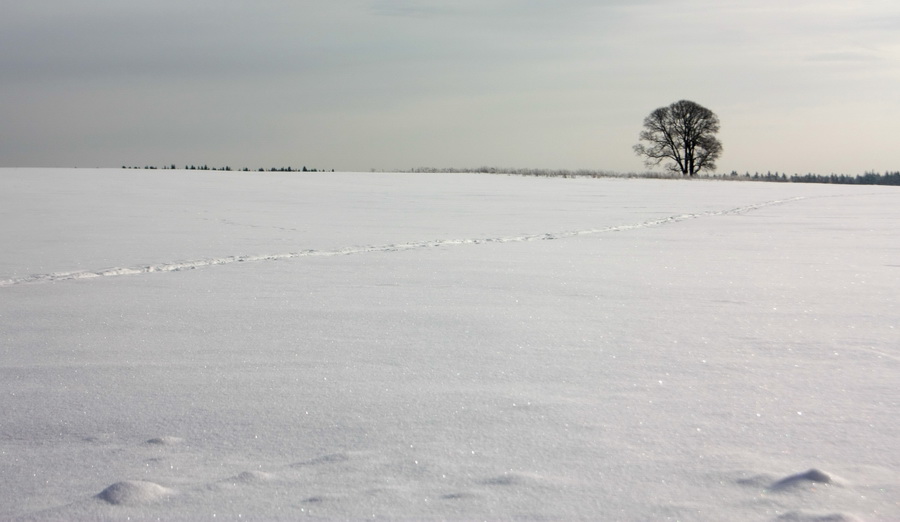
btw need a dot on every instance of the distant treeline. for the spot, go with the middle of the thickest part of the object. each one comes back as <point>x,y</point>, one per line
<point>584,173</point>
<point>229,169</point>
<point>869,178</point>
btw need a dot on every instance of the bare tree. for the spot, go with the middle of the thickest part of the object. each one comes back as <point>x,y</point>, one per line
<point>683,132</point>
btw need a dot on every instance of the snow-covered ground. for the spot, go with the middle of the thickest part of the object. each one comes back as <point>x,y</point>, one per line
<point>210,345</point>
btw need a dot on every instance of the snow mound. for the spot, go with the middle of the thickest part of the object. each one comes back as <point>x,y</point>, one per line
<point>165,441</point>
<point>134,493</point>
<point>252,477</point>
<point>99,438</point>
<point>456,496</point>
<point>332,458</point>
<point>507,479</point>
<point>810,476</point>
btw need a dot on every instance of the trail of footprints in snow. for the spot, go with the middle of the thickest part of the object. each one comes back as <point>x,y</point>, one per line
<point>200,263</point>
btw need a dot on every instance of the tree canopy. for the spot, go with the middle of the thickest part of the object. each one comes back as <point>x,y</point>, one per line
<point>684,133</point>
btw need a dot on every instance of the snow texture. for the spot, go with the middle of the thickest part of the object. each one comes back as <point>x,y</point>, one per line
<point>209,345</point>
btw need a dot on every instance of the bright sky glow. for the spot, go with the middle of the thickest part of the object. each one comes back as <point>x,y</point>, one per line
<point>801,86</point>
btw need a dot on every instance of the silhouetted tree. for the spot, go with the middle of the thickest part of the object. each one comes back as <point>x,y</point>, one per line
<point>683,132</point>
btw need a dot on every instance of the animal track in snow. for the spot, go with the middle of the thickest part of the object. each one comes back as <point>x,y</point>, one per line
<point>395,247</point>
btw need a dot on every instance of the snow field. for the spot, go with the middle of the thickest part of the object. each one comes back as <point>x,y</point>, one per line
<point>488,347</point>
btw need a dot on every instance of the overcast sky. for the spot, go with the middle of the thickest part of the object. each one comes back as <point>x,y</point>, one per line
<point>799,85</point>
